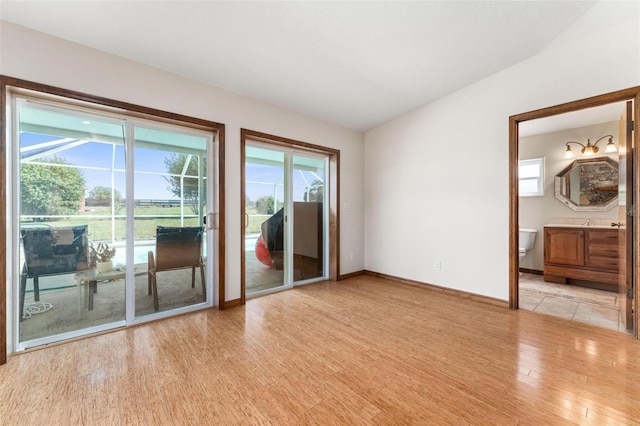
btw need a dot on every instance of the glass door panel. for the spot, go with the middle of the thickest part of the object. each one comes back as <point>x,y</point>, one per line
<point>69,202</point>
<point>169,238</point>
<point>265,230</point>
<point>309,230</point>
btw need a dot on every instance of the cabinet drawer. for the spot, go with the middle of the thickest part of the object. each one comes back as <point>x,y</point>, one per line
<point>608,263</point>
<point>596,236</point>
<point>603,250</point>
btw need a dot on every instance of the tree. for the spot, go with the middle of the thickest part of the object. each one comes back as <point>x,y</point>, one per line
<point>264,205</point>
<point>175,164</point>
<point>104,193</point>
<point>315,191</point>
<point>50,190</point>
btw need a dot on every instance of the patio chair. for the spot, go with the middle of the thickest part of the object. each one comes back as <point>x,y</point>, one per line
<point>176,248</point>
<point>51,251</point>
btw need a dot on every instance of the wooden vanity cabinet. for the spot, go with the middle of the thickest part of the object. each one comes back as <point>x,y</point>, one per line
<point>588,254</point>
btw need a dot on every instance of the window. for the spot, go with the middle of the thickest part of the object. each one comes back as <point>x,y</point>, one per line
<point>531,177</point>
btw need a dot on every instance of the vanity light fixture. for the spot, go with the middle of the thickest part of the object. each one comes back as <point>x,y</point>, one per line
<point>589,150</point>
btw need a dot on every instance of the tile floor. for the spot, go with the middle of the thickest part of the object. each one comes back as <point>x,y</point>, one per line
<point>597,307</point>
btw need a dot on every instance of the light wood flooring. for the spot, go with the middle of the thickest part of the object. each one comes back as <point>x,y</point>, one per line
<point>363,351</point>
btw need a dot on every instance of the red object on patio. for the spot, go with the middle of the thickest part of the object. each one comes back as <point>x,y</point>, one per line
<point>262,253</point>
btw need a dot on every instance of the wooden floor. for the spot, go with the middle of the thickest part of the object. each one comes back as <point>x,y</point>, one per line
<point>361,351</point>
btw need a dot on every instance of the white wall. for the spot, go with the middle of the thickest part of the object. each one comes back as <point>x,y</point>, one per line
<point>38,57</point>
<point>436,179</point>
<point>535,212</point>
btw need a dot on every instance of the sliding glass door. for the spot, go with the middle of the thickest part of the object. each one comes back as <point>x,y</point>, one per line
<point>285,223</point>
<point>69,167</point>
<point>170,204</point>
<point>266,236</point>
<point>309,218</point>
<point>110,220</point>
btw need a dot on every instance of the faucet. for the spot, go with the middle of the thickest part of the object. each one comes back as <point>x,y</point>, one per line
<point>588,222</point>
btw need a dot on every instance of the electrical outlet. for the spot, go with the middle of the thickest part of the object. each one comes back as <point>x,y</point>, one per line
<point>345,207</point>
<point>437,265</point>
<point>353,256</point>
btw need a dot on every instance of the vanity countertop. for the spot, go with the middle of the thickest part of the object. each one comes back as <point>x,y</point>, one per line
<point>568,225</point>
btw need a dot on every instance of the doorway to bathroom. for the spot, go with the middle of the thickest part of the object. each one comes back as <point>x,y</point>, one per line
<point>580,265</point>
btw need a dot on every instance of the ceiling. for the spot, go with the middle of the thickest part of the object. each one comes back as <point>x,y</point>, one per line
<point>573,120</point>
<point>355,64</point>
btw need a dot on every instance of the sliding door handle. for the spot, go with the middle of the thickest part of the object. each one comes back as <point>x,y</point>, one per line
<point>211,220</point>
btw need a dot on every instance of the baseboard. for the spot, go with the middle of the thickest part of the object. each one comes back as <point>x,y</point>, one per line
<point>431,287</point>
<point>530,271</point>
<point>350,275</point>
<point>230,304</point>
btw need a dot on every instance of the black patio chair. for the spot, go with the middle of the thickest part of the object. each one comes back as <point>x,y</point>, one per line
<point>51,251</point>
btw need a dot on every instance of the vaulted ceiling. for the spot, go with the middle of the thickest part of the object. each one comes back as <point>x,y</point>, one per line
<point>355,64</point>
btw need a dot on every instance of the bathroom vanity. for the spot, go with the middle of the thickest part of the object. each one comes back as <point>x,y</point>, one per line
<point>586,253</point>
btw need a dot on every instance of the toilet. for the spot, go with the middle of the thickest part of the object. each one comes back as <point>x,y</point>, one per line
<point>526,239</point>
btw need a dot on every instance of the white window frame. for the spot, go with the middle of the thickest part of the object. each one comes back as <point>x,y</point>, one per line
<point>539,179</point>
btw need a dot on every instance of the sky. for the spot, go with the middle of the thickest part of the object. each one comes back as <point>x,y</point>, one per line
<point>96,160</point>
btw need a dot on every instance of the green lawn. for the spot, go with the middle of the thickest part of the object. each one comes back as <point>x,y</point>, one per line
<point>255,220</point>
<point>144,227</point>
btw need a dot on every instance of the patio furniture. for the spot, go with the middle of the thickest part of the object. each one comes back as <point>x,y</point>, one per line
<point>176,248</point>
<point>92,276</point>
<point>51,251</point>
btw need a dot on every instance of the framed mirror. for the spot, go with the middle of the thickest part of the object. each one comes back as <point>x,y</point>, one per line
<point>588,184</point>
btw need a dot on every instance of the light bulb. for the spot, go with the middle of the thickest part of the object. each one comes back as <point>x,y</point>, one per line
<point>611,147</point>
<point>568,153</point>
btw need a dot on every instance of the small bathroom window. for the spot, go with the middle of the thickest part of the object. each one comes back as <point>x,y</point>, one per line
<point>531,177</point>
